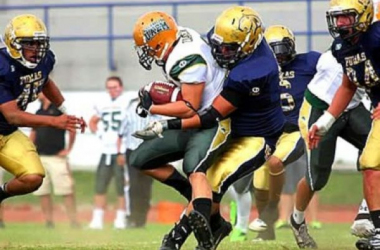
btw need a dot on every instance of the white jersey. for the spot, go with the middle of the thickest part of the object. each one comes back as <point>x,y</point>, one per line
<point>327,80</point>
<point>191,61</point>
<point>111,113</point>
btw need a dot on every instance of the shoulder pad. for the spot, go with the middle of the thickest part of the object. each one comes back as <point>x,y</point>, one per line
<point>184,64</point>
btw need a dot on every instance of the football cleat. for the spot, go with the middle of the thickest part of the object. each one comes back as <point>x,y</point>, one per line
<point>222,232</point>
<point>201,230</point>
<point>257,225</point>
<point>280,224</point>
<point>175,238</point>
<point>362,228</point>
<point>316,224</point>
<point>238,235</point>
<point>268,234</point>
<point>120,224</point>
<point>372,243</point>
<point>96,225</point>
<point>301,234</point>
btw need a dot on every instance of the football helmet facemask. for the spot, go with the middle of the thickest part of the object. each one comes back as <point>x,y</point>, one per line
<point>154,34</point>
<point>237,33</point>
<point>359,11</point>
<point>282,42</point>
<point>26,32</point>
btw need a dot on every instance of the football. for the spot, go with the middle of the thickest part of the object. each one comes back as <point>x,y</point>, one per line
<point>163,92</point>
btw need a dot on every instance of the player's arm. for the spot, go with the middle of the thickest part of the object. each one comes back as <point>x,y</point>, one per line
<point>339,103</point>
<point>52,92</point>
<point>32,135</point>
<point>93,124</point>
<point>192,97</point>
<point>342,97</point>
<point>19,118</point>
<point>193,78</point>
<point>224,104</point>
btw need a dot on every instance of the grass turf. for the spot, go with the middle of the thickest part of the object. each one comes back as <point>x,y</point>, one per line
<point>335,193</point>
<point>36,236</point>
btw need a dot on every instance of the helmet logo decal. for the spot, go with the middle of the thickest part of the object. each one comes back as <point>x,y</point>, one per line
<point>248,26</point>
<point>154,28</point>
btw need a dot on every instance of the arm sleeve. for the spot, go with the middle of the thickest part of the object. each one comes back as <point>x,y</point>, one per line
<point>232,96</point>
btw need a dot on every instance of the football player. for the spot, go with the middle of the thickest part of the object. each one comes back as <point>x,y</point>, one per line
<point>250,97</point>
<point>297,70</point>
<point>186,61</point>
<point>25,65</point>
<point>356,48</point>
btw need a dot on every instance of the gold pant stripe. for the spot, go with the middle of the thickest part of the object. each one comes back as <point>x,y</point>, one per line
<point>285,146</point>
<point>220,137</point>
<point>19,156</point>
<point>370,158</point>
<point>240,151</point>
<point>303,123</point>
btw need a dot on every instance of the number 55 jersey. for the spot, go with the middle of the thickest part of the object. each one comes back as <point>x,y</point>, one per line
<point>111,113</point>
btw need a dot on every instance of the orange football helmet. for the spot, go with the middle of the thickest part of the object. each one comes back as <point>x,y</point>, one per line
<point>154,33</point>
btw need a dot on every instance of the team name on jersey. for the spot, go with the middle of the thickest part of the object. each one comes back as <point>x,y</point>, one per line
<point>31,83</point>
<point>288,74</point>
<point>35,76</point>
<point>355,59</point>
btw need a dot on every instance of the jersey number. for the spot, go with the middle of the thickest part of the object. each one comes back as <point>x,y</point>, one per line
<point>111,119</point>
<point>370,77</point>
<point>287,102</point>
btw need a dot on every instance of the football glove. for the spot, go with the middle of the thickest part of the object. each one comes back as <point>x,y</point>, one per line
<point>153,130</point>
<point>145,99</point>
<point>324,123</point>
<point>141,111</point>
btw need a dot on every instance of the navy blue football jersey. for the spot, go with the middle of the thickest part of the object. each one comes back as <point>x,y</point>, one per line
<point>295,76</point>
<point>20,83</point>
<point>256,78</point>
<point>361,61</point>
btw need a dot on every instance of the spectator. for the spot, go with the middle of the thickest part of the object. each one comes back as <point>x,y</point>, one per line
<point>109,112</point>
<point>50,143</point>
<point>140,185</point>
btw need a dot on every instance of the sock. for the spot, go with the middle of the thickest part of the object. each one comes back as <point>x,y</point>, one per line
<point>216,221</point>
<point>4,194</point>
<point>298,216</point>
<point>179,183</point>
<point>363,212</point>
<point>120,215</point>
<point>203,206</point>
<point>244,202</point>
<point>98,214</point>
<point>375,216</point>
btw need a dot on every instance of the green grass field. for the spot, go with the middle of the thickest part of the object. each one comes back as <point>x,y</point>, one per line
<point>335,193</point>
<point>36,236</point>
